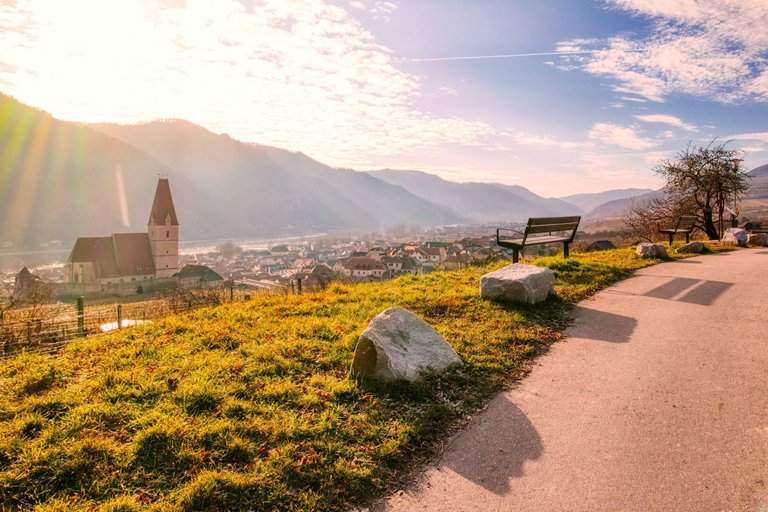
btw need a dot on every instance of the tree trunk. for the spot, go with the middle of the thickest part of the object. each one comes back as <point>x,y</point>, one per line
<point>709,225</point>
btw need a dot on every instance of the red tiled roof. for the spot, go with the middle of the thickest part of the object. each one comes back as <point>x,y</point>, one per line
<point>133,254</point>
<point>122,254</point>
<point>363,263</point>
<point>162,206</point>
<point>98,250</point>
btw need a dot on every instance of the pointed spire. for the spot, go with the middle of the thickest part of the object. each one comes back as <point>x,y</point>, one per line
<point>163,213</point>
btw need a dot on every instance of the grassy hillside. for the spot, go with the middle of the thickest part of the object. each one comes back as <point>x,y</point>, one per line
<point>248,405</point>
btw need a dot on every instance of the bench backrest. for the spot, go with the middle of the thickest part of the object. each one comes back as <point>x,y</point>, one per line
<point>685,223</point>
<point>552,225</point>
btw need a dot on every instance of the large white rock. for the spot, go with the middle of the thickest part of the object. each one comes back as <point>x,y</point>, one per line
<point>399,345</point>
<point>648,250</point>
<point>736,236</point>
<point>518,283</point>
<point>692,247</point>
<point>757,239</point>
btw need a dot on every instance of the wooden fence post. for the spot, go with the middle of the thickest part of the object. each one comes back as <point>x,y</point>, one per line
<point>80,316</point>
<point>119,316</point>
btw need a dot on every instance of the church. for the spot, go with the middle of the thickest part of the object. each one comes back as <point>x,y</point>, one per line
<point>130,257</point>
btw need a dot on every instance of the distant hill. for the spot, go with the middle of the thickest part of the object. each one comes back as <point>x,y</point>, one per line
<point>754,202</point>
<point>61,180</point>
<point>480,202</point>
<point>618,207</point>
<point>760,172</point>
<point>589,202</point>
<point>263,190</point>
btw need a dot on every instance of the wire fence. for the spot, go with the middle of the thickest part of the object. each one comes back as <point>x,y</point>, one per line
<point>47,329</point>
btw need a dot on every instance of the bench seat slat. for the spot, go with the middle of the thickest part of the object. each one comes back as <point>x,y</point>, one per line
<point>551,228</point>
<point>534,240</point>
<point>553,220</point>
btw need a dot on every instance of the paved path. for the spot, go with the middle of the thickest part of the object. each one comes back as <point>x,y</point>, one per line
<point>657,402</point>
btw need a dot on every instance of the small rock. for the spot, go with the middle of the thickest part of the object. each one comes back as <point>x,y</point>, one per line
<point>649,250</point>
<point>692,247</point>
<point>398,345</point>
<point>736,236</point>
<point>600,245</point>
<point>518,283</point>
<point>760,239</point>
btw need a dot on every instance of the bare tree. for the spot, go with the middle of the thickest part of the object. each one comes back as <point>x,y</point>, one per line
<point>183,298</point>
<point>711,177</point>
<point>7,300</point>
<point>642,219</point>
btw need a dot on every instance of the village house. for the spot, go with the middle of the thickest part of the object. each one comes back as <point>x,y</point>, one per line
<point>360,267</point>
<point>191,276</point>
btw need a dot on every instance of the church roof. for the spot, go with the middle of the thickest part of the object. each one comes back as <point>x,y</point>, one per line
<point>98,250</point>
<point>122,254</point>
<point>162,206</point>
<point>133,253</point>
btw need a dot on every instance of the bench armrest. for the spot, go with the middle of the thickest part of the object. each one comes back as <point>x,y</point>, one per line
<point>510,230</point>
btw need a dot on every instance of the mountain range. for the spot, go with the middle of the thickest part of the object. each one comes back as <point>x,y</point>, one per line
<point>63,179</point>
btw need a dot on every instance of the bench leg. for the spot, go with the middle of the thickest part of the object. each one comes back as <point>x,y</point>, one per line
<point>686,238</point>
<point>565,249</point>
<point>670,239</point>
<point>515,255</point>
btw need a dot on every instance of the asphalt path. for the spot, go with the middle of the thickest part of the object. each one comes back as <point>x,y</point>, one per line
<point>657,401</point>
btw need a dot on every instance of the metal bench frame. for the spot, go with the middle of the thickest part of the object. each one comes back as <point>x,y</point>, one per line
<point>539,226</point>
<point>685,225</point>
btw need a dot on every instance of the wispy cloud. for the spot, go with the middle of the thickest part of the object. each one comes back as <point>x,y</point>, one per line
<point>300,74</point>
<point>538,140</point>
<point>562,51</point>
<point>666,119</point>
<point>757,136</point>
<point>381,9</point>
<point>715,49</point>
<point>616,135</point>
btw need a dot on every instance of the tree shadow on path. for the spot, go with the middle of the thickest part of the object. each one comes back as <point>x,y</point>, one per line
<point>598,325</point>
<point>501,441</point>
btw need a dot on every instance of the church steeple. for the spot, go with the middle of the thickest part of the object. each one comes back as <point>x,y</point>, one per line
<point>163,229</point>
<point>163,213</point>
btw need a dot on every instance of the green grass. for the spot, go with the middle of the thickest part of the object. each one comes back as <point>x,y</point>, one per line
<point>249,405</point>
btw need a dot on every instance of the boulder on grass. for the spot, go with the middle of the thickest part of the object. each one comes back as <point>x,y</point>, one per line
<point>692,247</point>
<point>760,239</point>
<point>398,345</point>
<point>517,283</point>
<point>600,245</point>
<point>649,250</point>
<point>736,236</point>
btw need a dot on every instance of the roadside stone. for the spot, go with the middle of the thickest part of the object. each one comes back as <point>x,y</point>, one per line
<point>600,245</point>
<point>398,345</point>
<point>692,247</point>
<point>760,239</point>
<point>736,236</point>
<point>517,283</point>
<point>649,250</point>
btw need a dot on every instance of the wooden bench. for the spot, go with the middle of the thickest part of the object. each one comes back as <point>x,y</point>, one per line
<point>557,229</point>
<point>684,226</point>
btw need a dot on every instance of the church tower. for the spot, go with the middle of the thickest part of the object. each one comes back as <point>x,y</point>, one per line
<point>163,228</point>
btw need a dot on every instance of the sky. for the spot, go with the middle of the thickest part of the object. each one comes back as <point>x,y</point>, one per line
<point>560,96</point>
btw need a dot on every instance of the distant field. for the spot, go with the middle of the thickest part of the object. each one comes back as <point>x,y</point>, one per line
<point>248,406</point>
